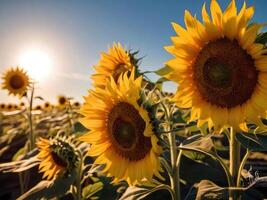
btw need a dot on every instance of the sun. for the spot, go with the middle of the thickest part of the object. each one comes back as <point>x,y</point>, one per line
<point>36,62</point>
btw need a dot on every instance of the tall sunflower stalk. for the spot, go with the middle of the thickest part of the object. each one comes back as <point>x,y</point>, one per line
<point>31,133</point>
<point>175,157</point>
<point>234,156</point>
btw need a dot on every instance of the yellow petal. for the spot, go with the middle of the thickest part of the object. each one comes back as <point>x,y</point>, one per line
<point>230,11</point>
<point>98,149</point>
<point>261,63</point>
<point>182,32</point>
<point>230,28</point>
<point>205,15</point>
<point>156,148</point>
<point>216,13</point>
<point>249,36</point>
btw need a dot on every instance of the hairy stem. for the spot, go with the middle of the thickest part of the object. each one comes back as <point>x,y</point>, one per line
<point>32,138</point>
<point>79,177</point>
<point>241,168</point>
<point>21,182</point>
<point>177,167</point>
<point>234,152</point>
<point>175,180</point>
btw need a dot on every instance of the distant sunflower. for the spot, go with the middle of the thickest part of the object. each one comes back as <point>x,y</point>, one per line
<point>47,106</point>
<point>2,106</point>
<point>220,69</point>
<point>16,81</point>
<point>58,156</point>
<point>113,63</point>
<point>9,107</point>
<point>76,104</point>
<point>22,104</point>
<point>38,107</point>
<point>120,131</point>
<point>62,101</point>
<point>16,107</point>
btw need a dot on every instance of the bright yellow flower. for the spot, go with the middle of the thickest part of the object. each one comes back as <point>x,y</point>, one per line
<point>120,131</point>
<point>113,63</point>
<point>16,81</point>
<point>63,102</point>
<point>57,157</point>
<point>220,69</point>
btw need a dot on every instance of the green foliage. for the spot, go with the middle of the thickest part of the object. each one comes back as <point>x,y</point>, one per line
<point>253,142</point>
<point>137,193</point>
<point>164,71</point>
<point>50,189</point>
<point>262,38</point>
<point>92,189</point>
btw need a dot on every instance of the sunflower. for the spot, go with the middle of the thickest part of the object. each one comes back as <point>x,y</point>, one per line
<point>22,104</point>
<point>62,102</point>
<point>47,106</point>
<point>3,107</point>
<point>120,131</point>
<point>113,63</point>
<point>16,107</point>
<point>220,69</point>
<point>16,81</point>
<point>9,107</point>
<point>76,105</point>
<point>38,107</point>
<point>57,156</point>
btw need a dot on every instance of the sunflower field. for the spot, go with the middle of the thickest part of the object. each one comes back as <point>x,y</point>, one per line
<point>129,139</point>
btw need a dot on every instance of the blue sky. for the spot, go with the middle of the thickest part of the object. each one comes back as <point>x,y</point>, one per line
<point>74,32</point>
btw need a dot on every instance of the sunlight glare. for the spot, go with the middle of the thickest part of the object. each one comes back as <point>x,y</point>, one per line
<point>36,63</point>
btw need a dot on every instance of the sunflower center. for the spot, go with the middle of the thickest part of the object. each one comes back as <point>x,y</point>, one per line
<point>218,73</point>
<point>126,131</point>
<point>62,100</point>
<point>16,82</point>
<point>224,73</point>
<point>58,160</point>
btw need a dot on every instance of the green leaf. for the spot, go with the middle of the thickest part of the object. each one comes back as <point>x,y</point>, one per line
<point>20,165</point>
<point>39,97</point>
<point>18,154</point>
<point>261,38</point>
<point>92,189</point>
<point>78,127</point>
<point>200,144</point>
<point>252,142</point>
<point>209,190</point>
<point>49,189</point>
<point>137,193</point>
<point>164,70</point>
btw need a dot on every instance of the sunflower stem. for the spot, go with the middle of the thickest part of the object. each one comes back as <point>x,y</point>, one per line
<point>241,167</point>
<point>234,152</point>
<point>70,113</point>
<point>177,167</point>
<point>32,139</point>
<point>175,180</point>
<point>79,177</point>
<point>21,183</point>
